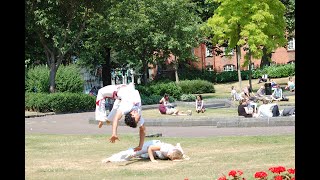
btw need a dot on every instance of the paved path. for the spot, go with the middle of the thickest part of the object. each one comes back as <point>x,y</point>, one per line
<point>78,123</point>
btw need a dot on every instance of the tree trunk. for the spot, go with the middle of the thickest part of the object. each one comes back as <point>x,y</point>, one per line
<point>176,64</point>
<point>250,70</point>
<point>106,68</point>
<point>52,77</point>
<point>145,72</point>
<point>238,54</point>
<point>265,59</point>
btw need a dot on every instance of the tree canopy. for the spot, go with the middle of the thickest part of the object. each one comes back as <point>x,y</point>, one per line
<point>248,23</point>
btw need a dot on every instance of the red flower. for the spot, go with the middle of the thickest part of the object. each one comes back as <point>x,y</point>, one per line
<point>260,174</point>
<point>240,172</point>
<point>278,178</point>
<point>222,178</point>
<point>278,169</point>
<point>186,179</point>
<point>291,171</point>
<point>293,178</point>
<point>232,173</point>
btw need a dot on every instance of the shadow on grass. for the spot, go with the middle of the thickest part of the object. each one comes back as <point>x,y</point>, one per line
<point>135,161</point>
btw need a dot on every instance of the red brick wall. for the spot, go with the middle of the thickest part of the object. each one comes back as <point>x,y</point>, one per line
<point>280,56</point>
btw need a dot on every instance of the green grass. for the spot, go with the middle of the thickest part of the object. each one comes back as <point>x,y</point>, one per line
<point>79,157</point>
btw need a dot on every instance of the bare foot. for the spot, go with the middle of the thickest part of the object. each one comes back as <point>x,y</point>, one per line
<point>100,124</point>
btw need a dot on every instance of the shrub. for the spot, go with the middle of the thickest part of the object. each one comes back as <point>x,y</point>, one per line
<point>162,88</point>
<point>37,79</point>
<point>69,79</point>
<point>196,86</point>
<point>275,71</point>
<point>194,74</point>
<point>152,99</point>
<point>59,102</point>
<point>188,97</point>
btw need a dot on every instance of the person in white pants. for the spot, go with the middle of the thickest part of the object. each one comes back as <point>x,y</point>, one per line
<point>110,92</point>
<point>128,103</point>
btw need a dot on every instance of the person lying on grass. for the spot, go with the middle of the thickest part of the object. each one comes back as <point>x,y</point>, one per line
<point>153,149</point>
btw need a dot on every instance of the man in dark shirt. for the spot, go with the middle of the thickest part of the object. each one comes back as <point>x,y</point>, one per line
<point>243,109</point>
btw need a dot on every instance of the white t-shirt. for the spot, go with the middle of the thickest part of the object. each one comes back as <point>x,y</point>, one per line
<point>130,100</point>
<point>265,110</point>
<point>166,148</point>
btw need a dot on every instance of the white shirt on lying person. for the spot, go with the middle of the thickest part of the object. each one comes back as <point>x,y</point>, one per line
<point>265,110</point>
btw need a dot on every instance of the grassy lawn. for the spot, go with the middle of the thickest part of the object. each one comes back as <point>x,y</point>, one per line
<point>79,157</point>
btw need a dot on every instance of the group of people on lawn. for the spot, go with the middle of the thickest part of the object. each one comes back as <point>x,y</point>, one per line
<point>248,101</point>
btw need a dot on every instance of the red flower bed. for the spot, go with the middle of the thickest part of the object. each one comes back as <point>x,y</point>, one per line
<point>277,173</point>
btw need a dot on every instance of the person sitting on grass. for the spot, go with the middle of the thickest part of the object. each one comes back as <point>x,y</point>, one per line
<point>264,78</point>
<point>261,94</point>
<point>165,101</point>
<point>273,84</point>
<point>291,85</point>
<point>235,96</point>
<point>277,94</point>
<point>199,104</point>
<point>172,111</point>
<point>244,109</point>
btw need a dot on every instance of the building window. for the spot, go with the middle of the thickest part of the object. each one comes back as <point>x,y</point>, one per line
<point>209,67</point>
<point>291,62</point>
<point>208,52</point>
<point>229,67</point>
<point>227,54</point>
<point>291,44</point>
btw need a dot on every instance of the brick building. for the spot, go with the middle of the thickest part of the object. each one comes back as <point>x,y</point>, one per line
<point>207,58</point>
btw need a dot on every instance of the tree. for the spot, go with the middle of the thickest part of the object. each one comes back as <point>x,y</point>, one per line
<point>290,29</point>
<point>205,9</point>
<point>184,31</point>
<point>249,24</point>
<point>150,27</point>
<point>58,26</point>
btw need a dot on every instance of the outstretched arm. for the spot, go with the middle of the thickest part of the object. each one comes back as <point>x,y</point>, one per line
<point>151,149</point>
<point>142,135</point>
<point>117,117</point>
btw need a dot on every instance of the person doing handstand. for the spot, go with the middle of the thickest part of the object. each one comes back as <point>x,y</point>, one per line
<point>106,92</point>
<point>129,104</point>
